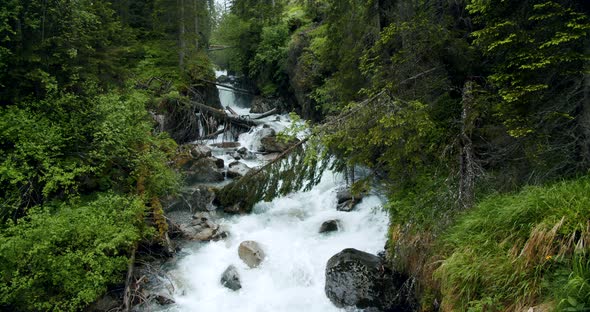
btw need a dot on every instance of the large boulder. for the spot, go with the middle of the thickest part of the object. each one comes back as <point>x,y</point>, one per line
<point>237,170</point>
<point>251,253</point>
<point>200,151</point>
<point>330,226</point>
<point>203,170</point>
<point>230,278</point>
<point>356,279</point>
<point>202,199</point>
<point>202,228</point>
<point>271,144</point>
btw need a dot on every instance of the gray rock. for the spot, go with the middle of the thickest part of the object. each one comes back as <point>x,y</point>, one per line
<point>343,195</point>
<point>202,199</point>
<point>360,280</point>
<point>346,202</point>
<point>219,163</point>
<point>236,155</point>
<point>163,300</point>
<point>202,228</point>
<point>227,145</point>
<point>348,205</point>
<point>230,278</point>
<point>330,226</point>
<point>200,151</point>
<point>271,144</point>
<point>251,253</point>
<point>223,79</point>
<point>203,171</point>
<point>237,170</point>
<point>262,105</point>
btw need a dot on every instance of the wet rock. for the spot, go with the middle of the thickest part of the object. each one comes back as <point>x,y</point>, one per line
<point>163,300</point>
<point>343,195</point>
<point>330,226</point>
<point>236,155</point>
<point>204,171</point>
<point>348,205</point>
<point>262,105</point>
<point>223,79</point>
<point>246,154</point>
<point>200,151</point>
<point>231,279</point>
<point>273,144</point>
<point>360,280</point>
<point>202,199</point>
<point>202,228</point>
<point>237,170</point>
<point>346,202</point>
<point>227,145</point>
<point>219,163</point>
<point>251,253</point>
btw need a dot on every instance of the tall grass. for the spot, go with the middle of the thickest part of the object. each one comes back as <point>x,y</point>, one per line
<point>505,253</point>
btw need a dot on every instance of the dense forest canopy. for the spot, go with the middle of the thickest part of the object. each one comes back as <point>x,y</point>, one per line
<point>451,104</point>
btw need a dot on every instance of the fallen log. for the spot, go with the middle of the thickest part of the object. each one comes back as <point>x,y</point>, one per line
<point>221,115</point>
<point>270,112</point>
<point>231,110</point>
<point>226,86</point>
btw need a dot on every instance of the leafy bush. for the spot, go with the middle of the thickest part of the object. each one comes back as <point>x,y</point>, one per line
<point>62,257</point>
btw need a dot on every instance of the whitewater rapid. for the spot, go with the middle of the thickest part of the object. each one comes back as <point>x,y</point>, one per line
<point>291,278</point>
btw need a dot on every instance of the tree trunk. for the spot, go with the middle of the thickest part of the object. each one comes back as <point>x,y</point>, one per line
<point>196,8</point>
<point>467,165</point>
<point>181,35</point>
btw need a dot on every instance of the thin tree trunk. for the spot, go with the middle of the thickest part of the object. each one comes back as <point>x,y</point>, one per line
<point>181,35</point>
<point>196,8</point>
<point>467,164</point>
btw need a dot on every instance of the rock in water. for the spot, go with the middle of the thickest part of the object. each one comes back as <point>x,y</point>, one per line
<point>237,170</point>
<point>230,278</point>
<point>200,151</point>
<point>251,253</point>
<point>358,279</point>
<point>330,226</point>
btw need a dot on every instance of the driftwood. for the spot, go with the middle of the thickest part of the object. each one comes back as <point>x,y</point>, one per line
<point>212,135</point>
<point>231,110</point>
<point>127,295</point>
<point>221,115</point>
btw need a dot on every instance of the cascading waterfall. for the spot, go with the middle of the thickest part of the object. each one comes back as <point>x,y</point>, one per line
<point>291,278</point>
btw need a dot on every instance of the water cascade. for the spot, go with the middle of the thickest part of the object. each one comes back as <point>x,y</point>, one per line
<point>291,278</point>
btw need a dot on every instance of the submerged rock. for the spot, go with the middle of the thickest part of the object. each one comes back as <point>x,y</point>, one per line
<point>237,170</point>
<point>358,279</point>
<point>251,253</point>
<point>330,226</point>
<point>230,278</point>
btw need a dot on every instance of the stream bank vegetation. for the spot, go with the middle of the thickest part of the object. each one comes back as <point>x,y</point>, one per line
<point>474,118</point>
<point>82,164</point>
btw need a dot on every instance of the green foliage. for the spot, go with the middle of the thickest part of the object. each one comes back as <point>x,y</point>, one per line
<point>572,286</point>
<point>502,254</point>
<point>63,256</point>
